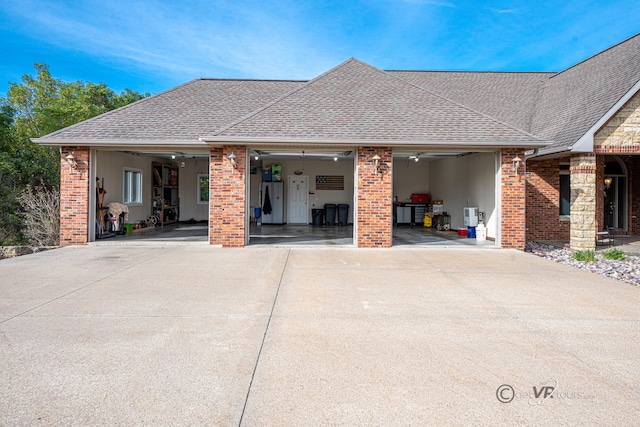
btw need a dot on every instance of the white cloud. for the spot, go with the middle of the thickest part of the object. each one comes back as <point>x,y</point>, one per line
<point>226,40</point>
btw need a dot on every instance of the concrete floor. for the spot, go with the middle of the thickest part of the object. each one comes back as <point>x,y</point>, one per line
<point>198,335</point>
<point>296,235</point>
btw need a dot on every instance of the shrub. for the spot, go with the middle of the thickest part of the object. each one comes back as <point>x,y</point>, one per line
<point>41,212</point>
<point>614,254</point>
<point>585,256</point>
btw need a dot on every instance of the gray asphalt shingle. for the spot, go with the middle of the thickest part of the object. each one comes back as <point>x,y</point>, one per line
<point>355,101</point>
<point>575,99</point>
<point>183,113</point>
<point>358,101</point>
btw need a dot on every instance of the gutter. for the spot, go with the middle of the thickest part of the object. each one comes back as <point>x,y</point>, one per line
<point>287,142</point>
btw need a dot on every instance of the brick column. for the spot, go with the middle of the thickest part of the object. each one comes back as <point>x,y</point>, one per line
<point>227,196</point>
<point>583,202</point>
<point>374,196</point>
<point>74,197</point>
<point>513,200</point>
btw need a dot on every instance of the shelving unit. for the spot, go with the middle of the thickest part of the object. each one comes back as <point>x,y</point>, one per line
<point>165,200</point>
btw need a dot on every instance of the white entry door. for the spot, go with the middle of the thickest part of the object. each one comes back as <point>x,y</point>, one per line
<point>298,200</point>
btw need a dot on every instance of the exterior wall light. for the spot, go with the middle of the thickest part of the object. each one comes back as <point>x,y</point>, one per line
<point>71,160</point>
<point>516,163</point>
<point>607,182</point>
<point>376,162</point>
<point>232,160</point>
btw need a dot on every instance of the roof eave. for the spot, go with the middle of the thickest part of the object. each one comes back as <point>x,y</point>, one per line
<point>225,140</point>
<point>124,143</point>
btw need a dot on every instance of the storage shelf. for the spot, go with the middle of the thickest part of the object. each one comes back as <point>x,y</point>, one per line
<point>165,189</point>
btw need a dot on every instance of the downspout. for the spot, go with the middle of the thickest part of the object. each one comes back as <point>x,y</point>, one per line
<point>526,157</point>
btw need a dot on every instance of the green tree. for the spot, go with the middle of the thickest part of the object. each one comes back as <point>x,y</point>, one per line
<point>35,107</point>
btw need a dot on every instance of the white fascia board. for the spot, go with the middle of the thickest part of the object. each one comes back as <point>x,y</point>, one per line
<point>124,143</point>
<point>275,142</point>
<point>585,143</point>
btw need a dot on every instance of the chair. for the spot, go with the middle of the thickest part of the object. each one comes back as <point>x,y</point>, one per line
<point>605,238</point>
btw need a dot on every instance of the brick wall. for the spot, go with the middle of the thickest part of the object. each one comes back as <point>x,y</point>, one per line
<point>513,201</point>
<point>543,202</point>
<point>374,197</point>
<point>74,197</point>
<point>227,197</point>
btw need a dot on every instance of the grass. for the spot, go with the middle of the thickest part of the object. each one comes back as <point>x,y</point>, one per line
<point>614,254</point>
<point>585,256</point>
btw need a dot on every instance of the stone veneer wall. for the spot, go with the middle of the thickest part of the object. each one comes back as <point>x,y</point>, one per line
<point>227,195</point>
<point>543,202</point>
<point>512,201</point>
<point>375,190</point>
<point>621,134</point>
<point>583,202</point>
<point>74,197</point>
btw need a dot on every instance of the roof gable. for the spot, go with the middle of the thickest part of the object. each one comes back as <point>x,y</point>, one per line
<point>576,99</point>
<point>355,101</point>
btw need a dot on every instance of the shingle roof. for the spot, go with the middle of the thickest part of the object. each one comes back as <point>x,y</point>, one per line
<point>510,97</point>
<point>575,99</point>
<point>183,113</point>
<point>355,101</point>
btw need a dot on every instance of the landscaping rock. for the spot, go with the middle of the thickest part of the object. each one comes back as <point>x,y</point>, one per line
<point>14,251</point>
<point>626,271</point>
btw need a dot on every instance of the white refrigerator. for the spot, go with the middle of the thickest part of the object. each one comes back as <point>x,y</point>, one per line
<point>272,200</point>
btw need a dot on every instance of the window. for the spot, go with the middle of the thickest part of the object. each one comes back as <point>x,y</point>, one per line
<point>132,187</point>
<point>203,189</point>
<point>565,190</point>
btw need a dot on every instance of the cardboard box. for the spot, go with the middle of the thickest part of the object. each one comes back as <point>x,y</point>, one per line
<point>437,208</point>
<point>437,202</point>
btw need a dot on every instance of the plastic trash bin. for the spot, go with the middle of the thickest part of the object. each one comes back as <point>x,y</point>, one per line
<point>343,214</point>
<point>330,214</point>
<point>316,215</point>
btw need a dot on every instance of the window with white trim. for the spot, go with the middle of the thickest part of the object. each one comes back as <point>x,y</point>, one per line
<point>132,194</point>
<point>203,189</point>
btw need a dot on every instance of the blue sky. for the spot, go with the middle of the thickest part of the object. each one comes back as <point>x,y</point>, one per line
<point>153,45</point>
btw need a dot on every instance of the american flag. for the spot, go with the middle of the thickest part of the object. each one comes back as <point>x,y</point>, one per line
<point>329,182</point>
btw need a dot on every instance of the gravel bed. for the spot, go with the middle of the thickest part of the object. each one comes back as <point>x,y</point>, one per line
<point>14,251</point>
<point>625,271</point>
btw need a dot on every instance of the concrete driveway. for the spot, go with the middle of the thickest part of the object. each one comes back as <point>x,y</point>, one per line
<point>197,335</point>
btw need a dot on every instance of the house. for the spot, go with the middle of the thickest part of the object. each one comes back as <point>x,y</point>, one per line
<point>545,156</point>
